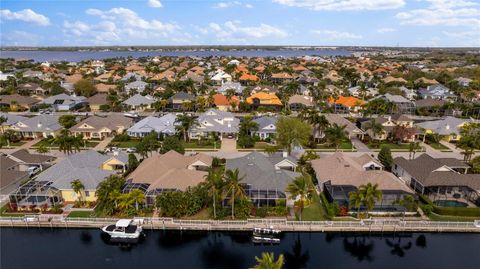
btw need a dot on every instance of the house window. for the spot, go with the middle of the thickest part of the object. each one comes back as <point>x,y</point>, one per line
<point>87,193</point>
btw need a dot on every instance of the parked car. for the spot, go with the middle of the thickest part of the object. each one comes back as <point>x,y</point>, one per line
<point>111,149</point>
<point>131,150</point>
<point>131,114</point>
<point>33,170</point>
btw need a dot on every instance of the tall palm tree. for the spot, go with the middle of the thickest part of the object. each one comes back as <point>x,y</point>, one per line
<point>366,195</point>
<point>214,182</point>
<point>356,200</point>
<point>185,122</point>
<point>336,134</point>
<point>114,196</point>
<point>125,201</point>
<point>137,197</point>
<point>43,149</point>
<point>3,119</point>
<point>301,189</point>
<point>248,126</point>
<point>78,188</point>
<point>412,149</point>
<point>320,123</point>
<point>267,261</point>
<point>233,186</point>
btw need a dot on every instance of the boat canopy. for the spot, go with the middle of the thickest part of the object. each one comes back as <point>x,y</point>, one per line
<point>123,223</point>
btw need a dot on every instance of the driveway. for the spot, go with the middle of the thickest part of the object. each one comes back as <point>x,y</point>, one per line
<point>103,144</point>
<point>229,145</point>
<point>359,145</point>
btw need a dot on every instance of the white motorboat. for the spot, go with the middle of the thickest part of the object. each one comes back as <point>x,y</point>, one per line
<point>268,236</point>
<point>124,229</point>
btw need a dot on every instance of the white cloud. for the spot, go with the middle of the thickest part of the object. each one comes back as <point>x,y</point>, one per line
<point>155,3</point>
<point>231,4</point>
<point>340,5</point>
<point>336,35</point>
<point>233,32</point>
<point>443,12</point>
<point>19,38</point>
<point>385,30</point>
<point>121,26</point>
<point>26,15</point>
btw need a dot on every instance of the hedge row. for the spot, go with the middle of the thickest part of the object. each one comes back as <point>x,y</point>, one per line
<point>451,211</point>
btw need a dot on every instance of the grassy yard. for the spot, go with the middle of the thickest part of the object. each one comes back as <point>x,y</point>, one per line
<point>3,213</point>
<point>202,144</point>
<point>436,217</point>
<point>345,145</point>
<point>16,144</point>
<point>315,211</point>
<point>392,146</point>
<point>126,144</point>
<point>436,145</point>
<point>45,142</point>
<point>81,214</point>
<point>201,215</point>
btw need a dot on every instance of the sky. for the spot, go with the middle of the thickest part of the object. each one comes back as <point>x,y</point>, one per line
<point>416,23</point>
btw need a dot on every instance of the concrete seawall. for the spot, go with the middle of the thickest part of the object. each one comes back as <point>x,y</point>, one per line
<point>248,225</point>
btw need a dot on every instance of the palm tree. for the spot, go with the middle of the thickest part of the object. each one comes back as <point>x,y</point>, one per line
<point>137,197</point>
<point>301,189</point>
<point>214,182</point>
<point>43,149</point>
<point>234,187</point>
<point>125,201</point>
<point>78,187</point>
<point>248,126</point>
<point>10,136</point>
<point>356,200</point>
<point>267,261</point>
<point>336,134</point>
<point>185,122</point>
<point>367,195</point>
<point>3,119</point>
<point>114,196</point>
<point>412,149</point>
<point>376,128</point>
<point>68,143</point>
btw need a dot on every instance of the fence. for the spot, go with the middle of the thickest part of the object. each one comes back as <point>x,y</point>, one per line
<point>367,225</point>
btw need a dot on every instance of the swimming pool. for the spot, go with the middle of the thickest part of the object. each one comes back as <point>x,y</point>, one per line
<point>450,203</point>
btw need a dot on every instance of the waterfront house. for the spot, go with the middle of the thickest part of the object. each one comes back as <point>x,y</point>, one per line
<point>90,167</point>
<point>216,122</point>
<point>25,160</point>
<point>164,125</point>
<point>265,178</point>
<point>448,128</point>
<point>171,171</point>
<point>441,179</point>
<point>267,127</point>
<point>139,102</point>
<point>40,126</point>
<point>65,102</point>
<point>99,127</point>
<point>339,174</point>
<point>10,175</point>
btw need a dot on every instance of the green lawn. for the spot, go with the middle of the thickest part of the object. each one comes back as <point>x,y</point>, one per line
<point>436,146</point>
<point>436,217</point>
<point>392,146</point>
<point>7,214</point>
<point>45,142</point>
<point>345,145</point>
<point>202,144</point>
<point>81,214</point>
<point>126,144</point>
<point>315,211</point>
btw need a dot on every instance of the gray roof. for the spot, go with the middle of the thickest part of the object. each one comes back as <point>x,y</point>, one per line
<point>214,120</point>
<point>265,122</point>
<point>138,84</point>
<point>130,75</point>
<point>40,123</point>
<point>259,171</point>
<point>182,96</point>
<point>230,85</point>
<point>423,169</point>
<point>351,128</point>
<point>84,166</point>
<point>436,90</point>
<point>65,99</point>
<point>138,100</point>
<point>24,156</point>
<point>394,98</point>
<point>165,124</point>
<point>12,118</point>
<point>445,126</point>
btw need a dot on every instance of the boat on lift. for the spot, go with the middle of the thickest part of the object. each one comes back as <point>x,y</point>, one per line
<point>266,236</point>
<point>124,229</point>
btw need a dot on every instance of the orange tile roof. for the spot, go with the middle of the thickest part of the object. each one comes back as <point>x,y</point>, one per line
<point>246,76</point>
<point>348,101</point>
<point>265,98</point>
<point>222,100</point>
<point>282,75</point>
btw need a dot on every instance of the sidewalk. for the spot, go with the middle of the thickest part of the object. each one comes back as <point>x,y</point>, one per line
<point>103,144</point>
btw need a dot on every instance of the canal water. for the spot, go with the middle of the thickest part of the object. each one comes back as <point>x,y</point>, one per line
<point>78,248</point>
<point>76,56</point>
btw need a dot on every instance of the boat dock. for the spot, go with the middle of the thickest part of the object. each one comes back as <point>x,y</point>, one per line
<point>374,225</point>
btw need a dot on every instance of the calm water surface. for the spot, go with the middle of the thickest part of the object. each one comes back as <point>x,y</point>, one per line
<point>76,56</point>
<point>61,248</point>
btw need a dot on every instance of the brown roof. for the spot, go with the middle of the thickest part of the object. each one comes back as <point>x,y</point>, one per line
<point>112,122</point>
<point>20,99</point>
<point>26,157</point>
<point>98,99</point>
<point>170,171</point>
<point>7,175</point>
<point>429,102</point>
<point>341,169</point>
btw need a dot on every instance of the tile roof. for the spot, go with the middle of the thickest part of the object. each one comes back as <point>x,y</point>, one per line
<point>348,101</point>
<point>265,98</point>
